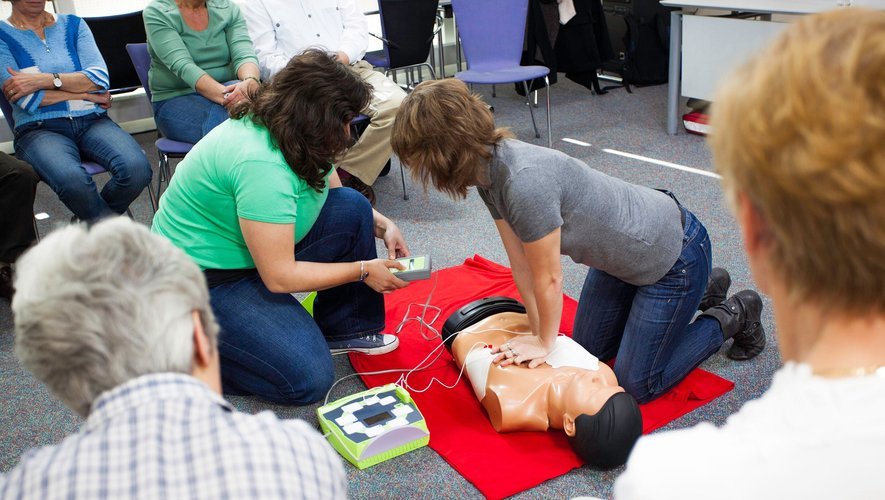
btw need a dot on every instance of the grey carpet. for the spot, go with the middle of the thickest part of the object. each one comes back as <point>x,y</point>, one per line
<point>450,232</point>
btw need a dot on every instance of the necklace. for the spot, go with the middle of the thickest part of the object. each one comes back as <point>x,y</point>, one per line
<point>858,371</point>
<point>22,26</point>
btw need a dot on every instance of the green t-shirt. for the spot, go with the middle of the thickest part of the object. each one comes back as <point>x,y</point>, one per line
<point>180,55</point>
<point>234,172</point>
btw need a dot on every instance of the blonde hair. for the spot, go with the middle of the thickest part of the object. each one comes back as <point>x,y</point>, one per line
<point>800,130</point>
<point>444,134</point>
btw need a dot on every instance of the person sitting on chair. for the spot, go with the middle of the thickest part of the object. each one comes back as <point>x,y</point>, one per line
<point>281,29</point>
<point>197,47</point>
<point>57,82</point>
<point>571,391</point>
<point>18,186</point>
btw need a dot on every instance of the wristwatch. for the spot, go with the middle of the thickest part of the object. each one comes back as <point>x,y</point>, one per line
<point>56,81</point>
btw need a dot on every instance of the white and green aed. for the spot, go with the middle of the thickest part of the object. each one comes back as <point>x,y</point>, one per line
<point>374,425</point>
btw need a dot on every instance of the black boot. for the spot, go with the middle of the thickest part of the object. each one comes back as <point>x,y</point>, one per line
<point>741,318</point>
<point>717,289</point>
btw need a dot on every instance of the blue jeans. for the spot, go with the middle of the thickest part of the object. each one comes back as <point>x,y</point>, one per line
<point>269,345</point>
<point>56,148</point>
<point>649,328</point>
<point>188,118</point>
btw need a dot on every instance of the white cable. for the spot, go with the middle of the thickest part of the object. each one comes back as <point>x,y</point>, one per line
<point>403,380</point>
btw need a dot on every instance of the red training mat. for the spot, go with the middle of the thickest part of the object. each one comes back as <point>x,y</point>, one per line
<point>459,428</point>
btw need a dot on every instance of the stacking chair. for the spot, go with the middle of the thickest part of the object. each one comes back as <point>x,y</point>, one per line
<point>492,34</point>
<point>111,34</point>
<point>408,28</point>
<point>90,167</point>
<point>166,148</point>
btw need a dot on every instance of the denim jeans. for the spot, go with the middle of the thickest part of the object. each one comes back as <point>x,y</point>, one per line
<point>56,148</point>
<point>269,345</point>
<point>649,329</point>
<point>188,118</point>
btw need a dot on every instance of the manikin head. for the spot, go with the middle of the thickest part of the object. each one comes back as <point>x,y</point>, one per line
<point>96,307</point>
<point>602,421</point>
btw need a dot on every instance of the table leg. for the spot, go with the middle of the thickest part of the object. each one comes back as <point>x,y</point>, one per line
<point>674,85</point>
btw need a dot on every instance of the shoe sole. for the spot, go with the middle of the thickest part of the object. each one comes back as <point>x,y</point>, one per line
<point>371,351</point>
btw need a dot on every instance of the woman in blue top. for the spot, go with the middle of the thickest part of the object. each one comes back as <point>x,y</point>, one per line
<point>57,81</point>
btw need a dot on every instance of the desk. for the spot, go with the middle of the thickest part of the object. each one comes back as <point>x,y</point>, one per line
<point>704,49</point>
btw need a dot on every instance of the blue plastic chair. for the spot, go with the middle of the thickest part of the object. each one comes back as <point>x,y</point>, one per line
<point>91,167</point>
<point>492,34</point>
<point>166,148</point>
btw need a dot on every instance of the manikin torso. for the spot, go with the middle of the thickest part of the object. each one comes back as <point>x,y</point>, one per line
<point>518,398</point>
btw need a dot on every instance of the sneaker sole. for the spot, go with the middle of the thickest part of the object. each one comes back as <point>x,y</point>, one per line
<point>371,351</point>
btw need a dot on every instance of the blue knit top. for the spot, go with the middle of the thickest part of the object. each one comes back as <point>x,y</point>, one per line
<point>69,47</point>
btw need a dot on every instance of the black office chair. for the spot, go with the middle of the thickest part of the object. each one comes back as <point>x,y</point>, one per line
<point>112,34</point>
<point>408,28</point>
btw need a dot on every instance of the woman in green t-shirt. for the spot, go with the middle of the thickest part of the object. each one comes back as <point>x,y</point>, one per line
<point>198,48</point>
<point>258,205</point>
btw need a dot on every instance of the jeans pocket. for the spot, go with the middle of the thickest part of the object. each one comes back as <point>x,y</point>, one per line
<point>27,127</point>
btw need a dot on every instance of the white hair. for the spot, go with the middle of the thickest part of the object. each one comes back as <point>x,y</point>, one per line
<point>97,307</point>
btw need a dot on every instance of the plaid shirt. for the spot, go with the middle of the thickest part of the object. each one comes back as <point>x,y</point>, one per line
<point>169,436</point>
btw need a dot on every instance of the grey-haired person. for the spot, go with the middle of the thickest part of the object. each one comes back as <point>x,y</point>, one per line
<point>117,323</point>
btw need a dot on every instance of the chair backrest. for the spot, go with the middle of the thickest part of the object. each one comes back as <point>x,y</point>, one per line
<point>112,34</point>
<point>408,26</point>
<point>6,107</point>
<point>492,31</point>
<point>141,62</point>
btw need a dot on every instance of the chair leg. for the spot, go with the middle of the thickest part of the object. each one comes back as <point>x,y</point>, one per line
<point>494,91</point>
<point>535,97</point>
<point>36,230</point>
<point>549,127</point>
<point>528,101</point>
<point>402,176</point>
<point>430,68</point>
<point>153,196</point>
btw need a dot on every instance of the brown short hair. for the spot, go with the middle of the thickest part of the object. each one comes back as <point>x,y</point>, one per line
<point>306,107</point>
<point>444,134</point>
<point>800,130</point>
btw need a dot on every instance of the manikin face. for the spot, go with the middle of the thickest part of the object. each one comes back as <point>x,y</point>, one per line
<point>586,394</point>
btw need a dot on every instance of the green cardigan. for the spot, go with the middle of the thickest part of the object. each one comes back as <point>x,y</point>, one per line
<point>180,55</point>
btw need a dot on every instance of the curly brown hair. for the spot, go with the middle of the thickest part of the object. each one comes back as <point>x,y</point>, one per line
<point>307,107</point>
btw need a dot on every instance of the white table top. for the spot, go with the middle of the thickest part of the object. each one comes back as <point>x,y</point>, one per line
<point>772,6</point>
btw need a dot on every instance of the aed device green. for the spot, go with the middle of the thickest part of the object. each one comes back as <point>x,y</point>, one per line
<point>417,268</point>
<point>375,425</point>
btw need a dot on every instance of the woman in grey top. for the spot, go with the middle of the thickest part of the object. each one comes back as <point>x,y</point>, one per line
<point>649,257</point>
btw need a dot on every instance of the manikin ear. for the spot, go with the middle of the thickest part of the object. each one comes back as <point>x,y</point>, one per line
<point>757,238</point>
<point>202,348</point>
<point>568,425</point>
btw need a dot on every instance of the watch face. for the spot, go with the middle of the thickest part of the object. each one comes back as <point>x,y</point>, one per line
<point>57,82</point>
